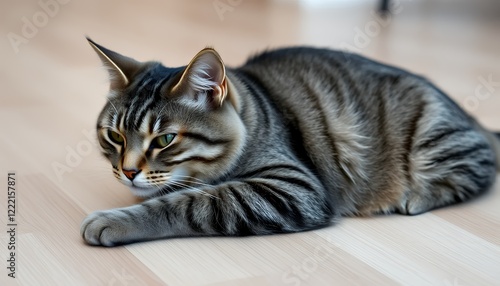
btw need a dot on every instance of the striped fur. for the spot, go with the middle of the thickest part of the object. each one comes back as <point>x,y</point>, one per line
<point>290,141</point>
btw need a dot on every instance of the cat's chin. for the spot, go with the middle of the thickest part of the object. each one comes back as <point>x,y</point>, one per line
<point>143,192</point>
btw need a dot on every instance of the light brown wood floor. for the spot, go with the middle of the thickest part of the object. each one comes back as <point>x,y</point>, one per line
<point>53,88</point>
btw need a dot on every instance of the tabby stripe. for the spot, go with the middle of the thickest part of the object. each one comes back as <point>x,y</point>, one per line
<point>460,193</point>
<point>459,154</point>
<point>154,96</point>
<point>334,81</point>
<point>326,136</point>
<point>267,195</point>
<point>127,212</point>
<point>206,140</point>
<point>253,216</point>
<point>152,122</point>
<point>282,192</point>
<point>409,137</point>
<point>467,170</point>
<point>145,105</point>
<point>467,192</point>
<point>218,222</point>
<point>131,215</point>
<point>486,163</point>
<point>163,201</point>
<point>271,167</point>
<point>481,185</point>
<point>178,152</point>
<point>142,113</point>
<point>283,202</point>
<point>346,74</point>
<point>381,115</point>
<point>165,209</point>
<point>298,217</point>
<point>264,110</point>
<point>135,100</point>
<point>194,158</point>
<point>250,215</point>
<point>433,141</point>
<point>242,222</point>
<point>352,91</point>
<point>480,181</point>
<point>255,88</point>
<point>291,180</point>
<point>149,209</point>
<point>190,216</point>
<point>242,227</point>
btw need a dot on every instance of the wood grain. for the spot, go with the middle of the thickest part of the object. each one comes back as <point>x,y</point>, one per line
<point>54,87</point>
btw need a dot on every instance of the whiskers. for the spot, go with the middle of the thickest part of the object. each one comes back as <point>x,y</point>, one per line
<point>185,183</point>
<point>165,183</point>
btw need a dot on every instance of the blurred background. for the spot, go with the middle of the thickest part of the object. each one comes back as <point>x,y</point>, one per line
<point>53,87</point>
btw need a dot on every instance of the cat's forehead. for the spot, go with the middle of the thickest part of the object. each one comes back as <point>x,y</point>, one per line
<point>144,102</point>
<point>150,83</point>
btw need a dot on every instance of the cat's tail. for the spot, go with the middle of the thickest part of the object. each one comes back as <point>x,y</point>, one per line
<point>494,140</point>
<point>496,147</point>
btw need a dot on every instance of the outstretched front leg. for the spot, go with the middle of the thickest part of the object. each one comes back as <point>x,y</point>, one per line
<point>253,206</point>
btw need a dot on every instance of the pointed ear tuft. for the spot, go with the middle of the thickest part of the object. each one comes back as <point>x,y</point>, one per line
<point>121,68</point>
<point>205,75</point>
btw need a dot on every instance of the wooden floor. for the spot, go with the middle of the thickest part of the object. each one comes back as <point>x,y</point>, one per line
<point>53,87</point>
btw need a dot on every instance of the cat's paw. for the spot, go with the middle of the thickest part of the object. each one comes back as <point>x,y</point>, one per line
<point>108,228</point>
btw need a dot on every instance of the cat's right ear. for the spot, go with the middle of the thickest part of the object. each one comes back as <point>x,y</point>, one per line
<point>121,68</point>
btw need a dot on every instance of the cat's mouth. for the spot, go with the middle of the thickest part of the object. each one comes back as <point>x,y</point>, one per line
<point>141,188</point>
<point>144,192</point>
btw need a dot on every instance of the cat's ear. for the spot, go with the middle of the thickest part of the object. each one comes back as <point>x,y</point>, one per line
<point>204,79</point>
<point>121,68</point>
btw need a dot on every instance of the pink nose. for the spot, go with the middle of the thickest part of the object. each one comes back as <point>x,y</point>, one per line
<point>130,174</point>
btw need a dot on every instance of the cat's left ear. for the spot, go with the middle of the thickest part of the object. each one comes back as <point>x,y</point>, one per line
<point>204,79</point>
<point>121,68</point>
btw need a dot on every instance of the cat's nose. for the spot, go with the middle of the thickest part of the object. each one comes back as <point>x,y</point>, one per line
<point>130,174</point>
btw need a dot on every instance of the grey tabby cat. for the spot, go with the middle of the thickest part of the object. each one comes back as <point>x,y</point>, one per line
<point>288,142</point>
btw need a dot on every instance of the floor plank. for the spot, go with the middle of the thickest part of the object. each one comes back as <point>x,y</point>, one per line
<point>54,87</point>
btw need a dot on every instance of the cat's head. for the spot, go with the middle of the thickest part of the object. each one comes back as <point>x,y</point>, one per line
<point>164,128</point>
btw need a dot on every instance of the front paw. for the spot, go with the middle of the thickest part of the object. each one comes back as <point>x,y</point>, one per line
<point>108,228</point>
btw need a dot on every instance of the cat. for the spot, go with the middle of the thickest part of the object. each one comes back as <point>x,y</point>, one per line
<point>290,141</point>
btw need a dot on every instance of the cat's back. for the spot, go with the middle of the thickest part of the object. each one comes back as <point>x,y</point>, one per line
<point>305,79</point>
<point>292,75</point>
<point>352,115</point>
<point>299,60</point>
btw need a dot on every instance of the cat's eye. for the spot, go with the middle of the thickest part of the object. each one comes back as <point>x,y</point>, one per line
<point>115,137</point>
<point>163,140</point>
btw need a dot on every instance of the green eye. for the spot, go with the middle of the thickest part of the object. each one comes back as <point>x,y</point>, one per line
<point>115,137</point>
<point>163,140</point>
